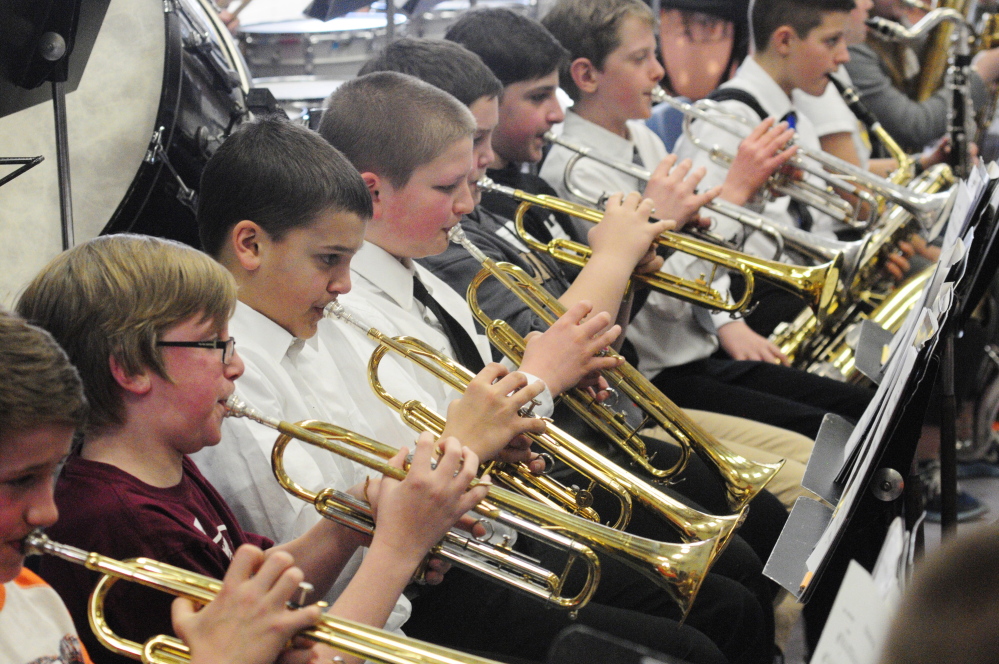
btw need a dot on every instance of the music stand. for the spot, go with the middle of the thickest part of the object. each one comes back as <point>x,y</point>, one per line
<point>818,542</point>
<point>48,42</point>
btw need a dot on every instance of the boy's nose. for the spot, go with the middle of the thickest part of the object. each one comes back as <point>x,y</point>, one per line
<point>42,511</point>
<point>555,113</point>
<point>657,71</point>
<point>236,367</point>
<point>463,203</point>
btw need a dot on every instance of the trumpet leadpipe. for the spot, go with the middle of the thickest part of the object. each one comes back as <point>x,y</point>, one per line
<point>350,637</point>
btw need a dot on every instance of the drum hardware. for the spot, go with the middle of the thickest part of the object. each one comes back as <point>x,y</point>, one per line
<point>187,196</point>
<point>25,163</point>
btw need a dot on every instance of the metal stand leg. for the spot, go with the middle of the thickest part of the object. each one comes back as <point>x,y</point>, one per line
<point>948,440</point>
<point>62,161</point>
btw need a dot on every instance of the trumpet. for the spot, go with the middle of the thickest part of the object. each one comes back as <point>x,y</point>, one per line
<point>743,478</point>
<point>677,568</point>
<point>740,214</point>
<point>815,285</point>
<point>346,636</point>
<point>839,173</point>
<point>693,525</point>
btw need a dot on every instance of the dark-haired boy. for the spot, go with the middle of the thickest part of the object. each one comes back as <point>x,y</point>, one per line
<point>285,213</point>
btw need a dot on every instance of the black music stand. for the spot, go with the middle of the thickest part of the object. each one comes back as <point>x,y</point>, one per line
<point>876,489</point>
<point>39,38</point>
<point>327,10</point>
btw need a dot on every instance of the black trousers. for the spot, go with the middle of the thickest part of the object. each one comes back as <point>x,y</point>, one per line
<point>768,393</point>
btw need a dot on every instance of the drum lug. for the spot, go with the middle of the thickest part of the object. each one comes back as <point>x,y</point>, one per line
<point>168,6</point>
<point>155,152</point>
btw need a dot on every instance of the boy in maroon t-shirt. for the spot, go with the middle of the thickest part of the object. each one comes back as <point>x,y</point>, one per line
<point>145,321</point>
<point>41,405</point>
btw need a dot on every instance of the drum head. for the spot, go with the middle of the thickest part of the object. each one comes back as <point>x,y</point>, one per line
<point>110,118</point>
<point>136,81</point>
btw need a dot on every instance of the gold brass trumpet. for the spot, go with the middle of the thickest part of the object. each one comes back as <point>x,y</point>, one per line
<point>346,636</point>
<point>693,525</point>
<point>815,285</point>
<point>677,568</point>
<point>743,478</point>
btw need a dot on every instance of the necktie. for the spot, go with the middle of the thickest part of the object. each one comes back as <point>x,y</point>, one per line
<point>798,210</point>
<point>465,350</point>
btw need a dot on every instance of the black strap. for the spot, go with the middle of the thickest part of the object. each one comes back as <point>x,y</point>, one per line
<point>798,210</point>
<point>738,94</point>
<point>465,350</point>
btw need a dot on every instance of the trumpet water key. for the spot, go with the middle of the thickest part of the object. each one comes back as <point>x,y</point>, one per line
<point>677,568</point>
<point>363,641</point>
<point>692,525</point>
<point>742,478</point>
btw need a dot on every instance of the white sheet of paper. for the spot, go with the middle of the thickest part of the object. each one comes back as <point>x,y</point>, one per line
<point>857,623</point>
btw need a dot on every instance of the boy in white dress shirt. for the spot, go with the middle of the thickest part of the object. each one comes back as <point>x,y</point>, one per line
<point>414,204</point>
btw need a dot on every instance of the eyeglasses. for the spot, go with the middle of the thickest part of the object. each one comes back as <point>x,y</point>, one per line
<point>228,346</point>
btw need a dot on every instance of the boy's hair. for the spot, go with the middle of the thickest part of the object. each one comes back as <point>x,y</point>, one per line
<point>949,611</point>
<point>390,124</point>
<point>591,29</point>
<point>279,175</point>
<point>443,64</point>
<point>114,296</point>
<point>516,48</point>
<point>38,385</point>
<point>803,16</point>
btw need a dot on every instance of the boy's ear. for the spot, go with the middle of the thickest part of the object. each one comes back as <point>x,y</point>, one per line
<point>246,237</point>
<point>375,186</point>
<point>137,384</point>
<point>584,75</point>
<point>781,39</point>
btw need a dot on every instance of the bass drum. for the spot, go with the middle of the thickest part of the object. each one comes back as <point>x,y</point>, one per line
<point>201,100</point>
<point>164,85</point>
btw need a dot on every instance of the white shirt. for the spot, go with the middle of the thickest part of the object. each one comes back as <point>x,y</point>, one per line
<point>292,379</point>
<point>830,115</point>
<point>382,297</point>
<point>752,78</point>
<point>664,332</point>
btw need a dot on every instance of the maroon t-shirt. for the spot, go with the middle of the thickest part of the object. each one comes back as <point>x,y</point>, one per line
<point>104,509</point>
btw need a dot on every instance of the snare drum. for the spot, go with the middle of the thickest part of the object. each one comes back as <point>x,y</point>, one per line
<point>301,97</point>
<point>333,49</point>
<point>434,24</point>
<point>164,85</point>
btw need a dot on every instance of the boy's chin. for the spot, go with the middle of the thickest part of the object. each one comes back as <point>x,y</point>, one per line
<point>11,562</point>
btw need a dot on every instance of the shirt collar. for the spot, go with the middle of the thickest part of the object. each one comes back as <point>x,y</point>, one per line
<point>389,274</point>
<point>598,139</point>
<point>253,329</point>
<point>755,79</point>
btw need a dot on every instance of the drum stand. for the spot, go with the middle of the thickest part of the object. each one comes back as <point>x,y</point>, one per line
<point>62,162</point>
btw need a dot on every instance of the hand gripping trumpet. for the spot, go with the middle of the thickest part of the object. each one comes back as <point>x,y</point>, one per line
<point>743,478</point>
<point>346,636</point>
<point>838,173</point>
<point>678,568</point>
<point>693,525</point>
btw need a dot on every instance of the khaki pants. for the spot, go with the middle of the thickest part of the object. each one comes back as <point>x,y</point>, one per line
<point>760,442</point>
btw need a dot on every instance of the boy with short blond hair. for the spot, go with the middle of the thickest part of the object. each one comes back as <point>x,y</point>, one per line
<point>407,226</point>
<point>148,319</point>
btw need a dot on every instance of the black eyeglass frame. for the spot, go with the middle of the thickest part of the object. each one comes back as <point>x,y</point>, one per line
<point>227,346</point>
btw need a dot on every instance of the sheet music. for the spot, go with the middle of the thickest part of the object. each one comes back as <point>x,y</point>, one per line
<point>858,622</point>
